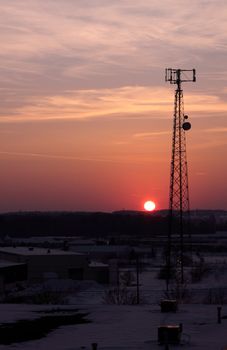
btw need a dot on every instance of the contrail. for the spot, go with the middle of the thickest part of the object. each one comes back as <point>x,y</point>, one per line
<point>56,156</point>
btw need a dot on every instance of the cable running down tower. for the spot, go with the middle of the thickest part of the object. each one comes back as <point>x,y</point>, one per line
<point>179,192</point>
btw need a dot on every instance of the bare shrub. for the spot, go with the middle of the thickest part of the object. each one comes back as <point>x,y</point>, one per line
<point>127,278</point>
<point>216,296</point>
<point>199,270</point>
<point>178,291</point>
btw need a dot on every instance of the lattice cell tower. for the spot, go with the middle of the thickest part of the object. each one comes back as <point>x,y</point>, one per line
<point>179,192</point>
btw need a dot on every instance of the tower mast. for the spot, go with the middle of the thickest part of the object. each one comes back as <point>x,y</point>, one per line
<point>179,191</point>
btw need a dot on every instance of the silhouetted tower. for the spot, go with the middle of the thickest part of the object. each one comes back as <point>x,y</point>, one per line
<point>179,192</point>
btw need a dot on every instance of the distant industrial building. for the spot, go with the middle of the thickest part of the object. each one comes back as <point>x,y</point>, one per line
<point>101,252</point>
<point>37,264</point>
<point>40,261</point>
<point>11,272</point>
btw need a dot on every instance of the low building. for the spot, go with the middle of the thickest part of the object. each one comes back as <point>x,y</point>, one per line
<point>41,261</point>
<point>10,274</point>
<point>102,252</point>
<point>98,271</point>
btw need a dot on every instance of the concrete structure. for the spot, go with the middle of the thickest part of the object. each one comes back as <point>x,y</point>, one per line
<point>10,274</point>
<point>40,261</point>
<point>102,252</point>
<point>98,271</point>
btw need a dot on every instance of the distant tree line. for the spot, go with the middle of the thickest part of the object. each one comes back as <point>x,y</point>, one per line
<point>26,224</point>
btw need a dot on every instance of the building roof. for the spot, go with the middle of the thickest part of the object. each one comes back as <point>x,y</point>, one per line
<point>97,264</point>
<point>6,263</point>
<point>36,251</point>
<point>101,248</point>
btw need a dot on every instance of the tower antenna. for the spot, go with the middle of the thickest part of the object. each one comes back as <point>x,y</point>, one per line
<point>179,191</point>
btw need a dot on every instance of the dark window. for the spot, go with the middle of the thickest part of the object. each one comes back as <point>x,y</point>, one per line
<point>76,274</point>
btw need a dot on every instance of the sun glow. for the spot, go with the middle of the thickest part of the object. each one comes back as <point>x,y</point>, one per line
<point>149,206</point>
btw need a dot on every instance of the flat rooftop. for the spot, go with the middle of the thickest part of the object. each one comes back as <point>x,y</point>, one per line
<point>6,263</point>
<point>97,264</point>
<point>30,251</point>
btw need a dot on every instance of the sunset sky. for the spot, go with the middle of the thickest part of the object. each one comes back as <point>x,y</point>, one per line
<point>86,114</point>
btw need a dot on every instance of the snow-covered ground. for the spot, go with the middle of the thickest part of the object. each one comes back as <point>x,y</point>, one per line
<point>132,327</point>
<point>127,327</point>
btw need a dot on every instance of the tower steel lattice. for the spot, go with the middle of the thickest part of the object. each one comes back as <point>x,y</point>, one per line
<point>179,191</point>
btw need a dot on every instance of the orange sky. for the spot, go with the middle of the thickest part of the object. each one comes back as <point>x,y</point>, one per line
<point>86,116</point>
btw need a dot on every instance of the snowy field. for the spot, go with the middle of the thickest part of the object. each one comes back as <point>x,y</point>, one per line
<point>117,327</point>
<point>132,327</point>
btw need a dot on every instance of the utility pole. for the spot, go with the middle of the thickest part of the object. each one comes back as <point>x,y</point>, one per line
<point>179,191</point>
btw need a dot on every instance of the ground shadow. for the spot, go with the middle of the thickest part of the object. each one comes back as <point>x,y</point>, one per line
<point>25,330</point>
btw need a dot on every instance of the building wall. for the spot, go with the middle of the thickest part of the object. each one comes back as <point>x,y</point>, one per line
<point>14,273</point>
<point>2,286</point>
<point>12,257</point>
<point>60,265</point>
<point>98,274</point>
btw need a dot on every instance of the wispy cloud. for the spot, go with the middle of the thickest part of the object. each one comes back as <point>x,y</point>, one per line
<point>99,50</point>
<point>124,102</point>
<point>151,134</point>
<point>130,101</point>
<point>201,173</point>
<point>60,157</point>
<point>218,130</point>
<point>119,159</point>
<point>209,144</point>
<point>99,65</point>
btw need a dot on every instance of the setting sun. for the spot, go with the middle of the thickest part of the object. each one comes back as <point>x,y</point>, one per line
<point>149,206</point>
